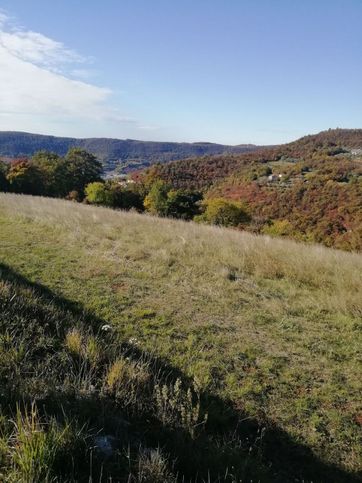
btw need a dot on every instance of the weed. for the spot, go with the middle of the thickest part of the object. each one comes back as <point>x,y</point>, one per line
<point>179,407</point>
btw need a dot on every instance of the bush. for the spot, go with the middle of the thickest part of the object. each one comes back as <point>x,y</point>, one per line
<point>98,193</point>
<point>179,407</point>
<point>279,228</point>
<point>219,211</point>
<point>73,196</point>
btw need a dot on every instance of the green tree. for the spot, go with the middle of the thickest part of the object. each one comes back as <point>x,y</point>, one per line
<point>127,197</point>
<point>78,169</point>
<point>183,204</point>
<point>163,201</point>
<point>99,193</point>
<point>156,200</point>
<point>219,211</point>
<point>49,165</point>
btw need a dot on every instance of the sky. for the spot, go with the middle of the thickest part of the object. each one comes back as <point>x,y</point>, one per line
<point>227,71</point>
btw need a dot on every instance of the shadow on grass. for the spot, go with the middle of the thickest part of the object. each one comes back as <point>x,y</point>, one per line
<point>231,444</point>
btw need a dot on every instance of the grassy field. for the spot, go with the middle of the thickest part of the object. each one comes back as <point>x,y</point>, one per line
<point>228,357</point>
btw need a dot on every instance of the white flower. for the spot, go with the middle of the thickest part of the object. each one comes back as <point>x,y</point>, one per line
<point>133,340</point>
<point>106,327</point>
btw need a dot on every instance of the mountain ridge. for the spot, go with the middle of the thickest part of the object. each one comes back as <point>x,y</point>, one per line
<point>120,155</point>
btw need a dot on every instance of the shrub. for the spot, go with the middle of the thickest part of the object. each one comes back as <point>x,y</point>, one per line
<point>219,211</point>
<point>98,193</point>
<point>51,170</point>
<point>73,196</point>
<point>279,228</point>
<point>177,407</point>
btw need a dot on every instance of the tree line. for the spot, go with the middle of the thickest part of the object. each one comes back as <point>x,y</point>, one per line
<point>48,174</point>
<point>77,176</point>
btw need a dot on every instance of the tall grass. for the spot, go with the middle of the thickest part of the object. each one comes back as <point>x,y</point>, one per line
<point>206,248</point>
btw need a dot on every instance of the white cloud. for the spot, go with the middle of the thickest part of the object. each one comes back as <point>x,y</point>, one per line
<point>36,48</point>
<point>3,18</point>
<point>36,88</point>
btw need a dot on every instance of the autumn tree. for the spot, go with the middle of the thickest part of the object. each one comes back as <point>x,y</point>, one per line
<point>219,211</point>
<point>24,177</point>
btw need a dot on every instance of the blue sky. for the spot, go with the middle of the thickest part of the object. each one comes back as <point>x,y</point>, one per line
<point>231,71</point>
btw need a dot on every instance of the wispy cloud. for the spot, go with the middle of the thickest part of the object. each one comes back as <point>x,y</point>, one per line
<point>39,82</point>
<point>36,48</point>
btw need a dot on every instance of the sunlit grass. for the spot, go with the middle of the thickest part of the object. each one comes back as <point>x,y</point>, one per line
<point>272,324</point>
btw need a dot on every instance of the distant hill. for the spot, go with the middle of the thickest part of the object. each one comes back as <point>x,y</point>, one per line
<point>115,154</point>
<point>202,172</point>
<point>347,138</point>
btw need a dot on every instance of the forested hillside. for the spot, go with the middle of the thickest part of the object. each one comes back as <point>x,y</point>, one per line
<point>115,154</point>
<point>201,172</point>
<point>310,189</point>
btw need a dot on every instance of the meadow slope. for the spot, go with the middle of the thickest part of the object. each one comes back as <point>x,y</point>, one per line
<point>267,332</point>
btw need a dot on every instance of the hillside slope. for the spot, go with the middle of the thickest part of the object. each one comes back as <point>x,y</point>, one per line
<point>202,172</point>
<point>122,155</point>
<point>268,330</point>
<point>310,189</point>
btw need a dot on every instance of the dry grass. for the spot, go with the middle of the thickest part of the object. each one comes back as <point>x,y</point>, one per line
<point>272,324</point>
<point>204,248</point>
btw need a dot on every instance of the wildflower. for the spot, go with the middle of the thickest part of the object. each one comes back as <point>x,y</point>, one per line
<point>106,327</point>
